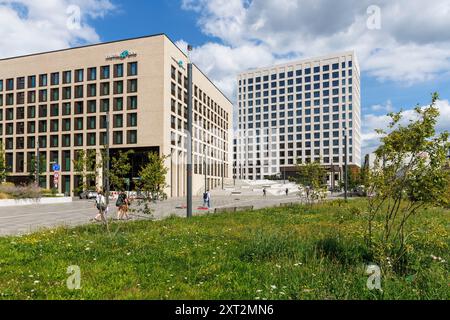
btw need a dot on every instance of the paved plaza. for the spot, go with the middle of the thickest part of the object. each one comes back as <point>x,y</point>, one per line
<point>20,220</point>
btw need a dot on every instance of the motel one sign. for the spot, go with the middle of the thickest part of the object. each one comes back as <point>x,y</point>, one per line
<point>121,56</point>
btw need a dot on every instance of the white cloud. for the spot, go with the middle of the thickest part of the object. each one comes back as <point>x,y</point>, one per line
<point>29,26</point>
<point>413,44</point>
<point>384,108</point>
<point>371,122</point>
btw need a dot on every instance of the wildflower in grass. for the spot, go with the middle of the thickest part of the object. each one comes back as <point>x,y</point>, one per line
<point>273,287</point>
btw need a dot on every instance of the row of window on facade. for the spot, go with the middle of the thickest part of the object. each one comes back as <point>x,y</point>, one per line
<point>105,73</point>
<point>298,73</point>
<point>70,140</point>
<point>65,93</point>
<point>290,83</point>
<point>67,109</point>
<point>68,124</point>
<point>198,94</point>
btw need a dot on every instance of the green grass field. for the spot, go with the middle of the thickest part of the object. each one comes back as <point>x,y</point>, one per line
<point>281,253</point>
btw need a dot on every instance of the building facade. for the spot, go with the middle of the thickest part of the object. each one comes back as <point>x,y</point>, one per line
<point>54,104</point>
<point>298,113</point>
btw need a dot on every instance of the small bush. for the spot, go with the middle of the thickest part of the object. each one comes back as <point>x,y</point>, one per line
<point>27,192</point>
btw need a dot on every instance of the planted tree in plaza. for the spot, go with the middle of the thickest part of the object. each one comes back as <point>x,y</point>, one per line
<point>313,177</point>
<point>3,172</point>
<point>120,170</point>
<point>87,168</point>
<point>33,168</point>
<point>152,181</point>
<point>408,175</point>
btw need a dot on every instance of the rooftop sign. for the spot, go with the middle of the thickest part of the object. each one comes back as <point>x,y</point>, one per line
<point>121,56</point>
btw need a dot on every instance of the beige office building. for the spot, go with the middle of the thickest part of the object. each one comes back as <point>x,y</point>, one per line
<point>57,103</point>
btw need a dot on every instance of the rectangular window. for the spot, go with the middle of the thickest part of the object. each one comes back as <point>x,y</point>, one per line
<point>54,125</point>
<point>91,123</point>
<point>118,70</point>
<point>132,103</point>
<point>66,125</point>
<point>92,106</point>
<point>20,83</point>
<point>132,120</point>
<point>118,121</point>
<point>66,109</point>
<point>118,104</point>
<point>78,122</point>
<point>132,137</point>
<point>43,95</point>
<point>9,84</point>
<point>92,90</point>
<point>104,72</point>
<point>67,77</point>
<point>67,93</point>
<point>78,140</point>
<point>104,88</point>
<point>54,79</point>
<point>54,110</point>
<point>43,80</point>
<point>132,86</point>
<point>79,75</point>
<point>78,92</point>
<point>92,74</point>
<point>91,139</point>
<point>118,137</point>
<point>118,87</point>
<point>132,69</point>
<point>104,105</point>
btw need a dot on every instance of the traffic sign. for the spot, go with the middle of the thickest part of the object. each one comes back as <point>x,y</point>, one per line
<point>56,167</point>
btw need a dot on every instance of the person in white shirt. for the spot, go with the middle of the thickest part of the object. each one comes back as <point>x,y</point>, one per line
<point>100,203</point>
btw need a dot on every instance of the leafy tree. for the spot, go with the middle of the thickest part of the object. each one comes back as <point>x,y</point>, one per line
<point>408,175</point>
<point>313,177</point>
<point>3,172</point>
<point>33,165</point>
<point>87,168</point>
<point>152,181</point>
<point>120,169</point>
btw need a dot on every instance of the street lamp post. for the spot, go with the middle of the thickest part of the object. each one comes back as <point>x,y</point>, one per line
<point>205,167</point>
<point>37,165</point>
<point>346,163</point>
<point>106,170</point>
<point>189,139</point>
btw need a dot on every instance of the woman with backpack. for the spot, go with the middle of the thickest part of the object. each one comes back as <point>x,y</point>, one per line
<point>122,204</point>
<point>100,203</point>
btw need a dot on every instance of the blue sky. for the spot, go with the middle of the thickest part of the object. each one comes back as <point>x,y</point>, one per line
<point>403,46</point>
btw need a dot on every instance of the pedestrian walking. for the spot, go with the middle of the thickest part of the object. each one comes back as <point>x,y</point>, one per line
<point>287,191</point>
<point>100,204</point>
<point>122,205</point>
<point>264,192</point>
<point>205,199</point>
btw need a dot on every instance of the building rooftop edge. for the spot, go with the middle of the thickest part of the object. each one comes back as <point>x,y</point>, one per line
<point>117,41</point>
<point>300,61</point>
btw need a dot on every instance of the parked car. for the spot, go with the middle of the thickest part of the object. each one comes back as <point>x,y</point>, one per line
<point>89,194</point>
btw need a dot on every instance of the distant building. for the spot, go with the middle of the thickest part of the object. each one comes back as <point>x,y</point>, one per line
<point>298,111</point>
